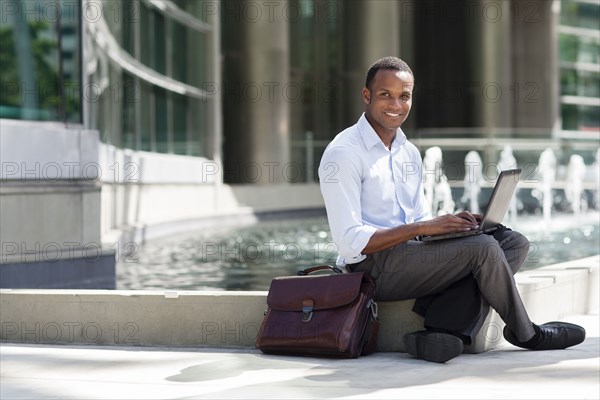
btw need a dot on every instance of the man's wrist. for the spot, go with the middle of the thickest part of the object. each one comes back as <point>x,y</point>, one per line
<point>418,231</point>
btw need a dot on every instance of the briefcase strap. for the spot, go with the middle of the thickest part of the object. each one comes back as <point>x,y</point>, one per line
<point>331,268</point>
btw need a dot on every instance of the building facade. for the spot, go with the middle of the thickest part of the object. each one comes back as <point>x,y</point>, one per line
<point>123,120</point>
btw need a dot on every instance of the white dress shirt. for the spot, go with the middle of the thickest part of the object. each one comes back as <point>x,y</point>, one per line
<point>367,186</point>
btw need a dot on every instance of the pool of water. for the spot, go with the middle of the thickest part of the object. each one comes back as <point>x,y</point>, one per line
<point>248,257</point>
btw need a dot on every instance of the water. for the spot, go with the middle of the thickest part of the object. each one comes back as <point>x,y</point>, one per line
<point>566,237</point>
<point>473,181</point>
<point>575,177</point>
<point>547,167</point>
<point>248,257</point>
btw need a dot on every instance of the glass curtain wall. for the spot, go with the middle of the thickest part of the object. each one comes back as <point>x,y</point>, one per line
<point>315,82</point>
<point>151,96</point>
<point>40,52</point>
<point>579,39</point>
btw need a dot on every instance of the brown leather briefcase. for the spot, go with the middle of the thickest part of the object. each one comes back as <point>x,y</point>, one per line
<point>330,315</point>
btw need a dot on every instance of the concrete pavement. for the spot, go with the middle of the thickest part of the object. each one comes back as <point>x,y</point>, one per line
<point>113,372</point>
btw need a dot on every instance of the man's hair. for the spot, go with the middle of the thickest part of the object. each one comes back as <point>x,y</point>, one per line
<point>387,64</point>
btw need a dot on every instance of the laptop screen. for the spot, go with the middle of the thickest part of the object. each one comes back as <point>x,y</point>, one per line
<point>500,199</point>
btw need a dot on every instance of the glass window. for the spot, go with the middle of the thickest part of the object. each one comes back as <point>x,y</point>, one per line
<point>180,112</point>
<point>160,118</point>
<point>146,101</point>
<point>158,33</point>
<point>133,113</point>
<point>579,49</point>
<point>580,83</point>
<point>179,36</point>
<point>579,14</point>
<point>131,19</point>
<point>198,129</point>
<point>580,79</point>
<point>130,97</point>
<point>201,9</point>
<point>40,58</point>
<point>581,118</point>
<point>146,42</point>
<point>315,79</point>
<point>153,39</point>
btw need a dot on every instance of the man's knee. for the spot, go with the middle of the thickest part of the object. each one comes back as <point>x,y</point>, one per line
<point>483,248</point>
<point>490,248</point>
<point>515,239</point>
<point>516,248</point>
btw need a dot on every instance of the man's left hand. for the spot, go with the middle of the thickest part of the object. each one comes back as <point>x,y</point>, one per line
<point>474,218</point>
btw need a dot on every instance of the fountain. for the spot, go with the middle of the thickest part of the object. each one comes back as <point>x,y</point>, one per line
<point>432,163</point>
<point>473,181</point>
<point>596,171</point>
<point>508,161</point>
<point>437,188</point>
<point>547,175</point>
<point>248,257</point>
<point>443,202</point>
<point>574,187</point>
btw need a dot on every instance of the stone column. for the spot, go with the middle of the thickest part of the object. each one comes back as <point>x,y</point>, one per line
<point>255,90</point>
<point>493,65</point>
<point>370,30</point>
<point>535,58</point>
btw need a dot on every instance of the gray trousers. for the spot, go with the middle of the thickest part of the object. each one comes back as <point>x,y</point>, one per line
<point>455,281</point>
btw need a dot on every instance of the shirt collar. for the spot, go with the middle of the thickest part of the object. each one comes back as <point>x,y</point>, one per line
<point>370,137</point>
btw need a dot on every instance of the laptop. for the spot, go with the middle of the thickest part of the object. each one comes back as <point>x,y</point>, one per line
<point>496,207</point>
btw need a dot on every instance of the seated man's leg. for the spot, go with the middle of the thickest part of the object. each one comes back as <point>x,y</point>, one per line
<point>464,318</point>
<point>515,247</point>
<point>416,269</point>
<point>444,268</point>
<point>470,310</point>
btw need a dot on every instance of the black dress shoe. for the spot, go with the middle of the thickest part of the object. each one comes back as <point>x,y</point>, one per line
<point>433,346</point>
<point>553,336</point>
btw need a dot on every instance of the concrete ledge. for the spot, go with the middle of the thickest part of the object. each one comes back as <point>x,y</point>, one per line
<point>397,319</point>
<point>563,289</point>
<point>145,318</point>
<point>226,319</point>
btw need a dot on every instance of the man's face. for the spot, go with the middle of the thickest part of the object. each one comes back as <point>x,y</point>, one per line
<point>389,100</point>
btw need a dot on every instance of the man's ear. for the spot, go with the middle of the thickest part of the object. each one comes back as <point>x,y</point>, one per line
<point>366,95</point>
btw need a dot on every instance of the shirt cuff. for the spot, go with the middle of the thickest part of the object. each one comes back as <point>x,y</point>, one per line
<point>354,253</point>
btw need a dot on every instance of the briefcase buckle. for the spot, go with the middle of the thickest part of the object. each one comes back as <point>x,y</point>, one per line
<point>307,310</point>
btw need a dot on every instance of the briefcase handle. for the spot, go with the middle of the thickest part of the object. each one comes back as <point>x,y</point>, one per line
<point>330,268</point>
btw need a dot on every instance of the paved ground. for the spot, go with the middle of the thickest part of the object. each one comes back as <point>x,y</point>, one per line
<point>67,372</point>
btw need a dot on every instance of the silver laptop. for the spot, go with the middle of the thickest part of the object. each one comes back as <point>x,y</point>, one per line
<point>496,207</point>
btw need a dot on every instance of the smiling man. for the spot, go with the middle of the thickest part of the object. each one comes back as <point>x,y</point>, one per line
<point>371,181</point>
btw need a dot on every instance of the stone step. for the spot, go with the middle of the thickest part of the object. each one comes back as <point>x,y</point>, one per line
<point>232,319</point>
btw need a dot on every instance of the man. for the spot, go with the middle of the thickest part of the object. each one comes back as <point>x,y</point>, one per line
<point>371,181</point>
